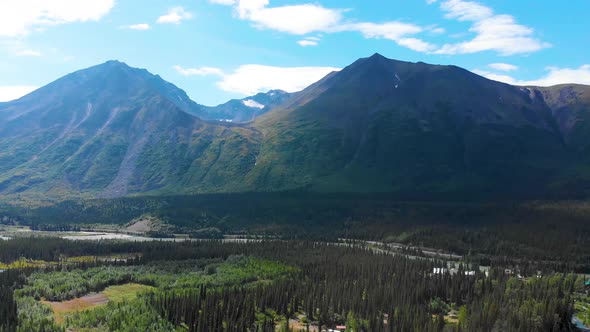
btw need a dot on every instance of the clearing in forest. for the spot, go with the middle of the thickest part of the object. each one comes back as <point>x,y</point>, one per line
<point>111,294</point>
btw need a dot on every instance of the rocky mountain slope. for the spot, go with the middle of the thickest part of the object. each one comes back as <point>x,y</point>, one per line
<point>112,130</point>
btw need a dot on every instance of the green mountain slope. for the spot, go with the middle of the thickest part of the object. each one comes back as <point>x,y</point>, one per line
<point>112,130</point>
<point>379,125</point>
<point>386,125</point>
<point>570,105</point>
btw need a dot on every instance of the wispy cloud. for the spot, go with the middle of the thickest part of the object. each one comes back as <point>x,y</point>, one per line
<point>20,17</point>
<point>140,27</point>
<point>201,71</point>
<point>395,31</point>
<point>437,30</point>
<point>306,42</point>
<point>28,53</point>
<point>465,10</point>
<point>493,32</point>
<point>175,16</point>
<point>309,41</point>
<point>416,44</point>
<point>309,18</point>
<point>223,2</point>
<point>503,66</point>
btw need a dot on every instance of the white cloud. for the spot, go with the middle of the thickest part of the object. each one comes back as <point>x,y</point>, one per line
<point>416,44</point>
<point>307,42</point>
<point>295,19</point>
<point>20,17</point>
<point>251,79</point>
<point>28,53</point>
<point>497,77</point>
<point>554,76</point>
<point>175,16</point>
<point>557,75</point>
<point>391,30</point>
<point>202,71</point>
<point>503,66</point>
<point>140,26</point>
<point>437,30</point>
<point>465,10</point>
<point>8,93</point>
<point>395,31</point>
<point>308,18</point>
<point>500,33</point>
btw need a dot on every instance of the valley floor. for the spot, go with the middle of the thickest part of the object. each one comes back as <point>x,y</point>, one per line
<point>270,286</point>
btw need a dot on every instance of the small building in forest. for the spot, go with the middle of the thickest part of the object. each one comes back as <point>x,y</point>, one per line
<point>338,328</point>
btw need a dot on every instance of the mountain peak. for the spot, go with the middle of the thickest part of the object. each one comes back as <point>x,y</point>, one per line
<point>377,56</point>
<point>375,59</point>
<point>118,68</point>
<point>375,62</point>
<point>114,81</point>
<point>113,64</point>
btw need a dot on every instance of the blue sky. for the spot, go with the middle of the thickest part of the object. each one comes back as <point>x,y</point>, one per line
<point>221,49</point>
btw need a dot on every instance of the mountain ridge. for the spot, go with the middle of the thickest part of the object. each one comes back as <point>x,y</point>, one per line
<point>245,109</point>
<point>421,94</point>
<point>378,125</point>
<point>121,130</point>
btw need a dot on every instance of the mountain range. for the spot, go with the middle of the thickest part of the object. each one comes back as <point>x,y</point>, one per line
<point>243,110</point>
<point>379,125</point>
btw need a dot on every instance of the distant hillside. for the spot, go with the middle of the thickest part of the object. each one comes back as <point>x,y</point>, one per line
<point>246,109</point>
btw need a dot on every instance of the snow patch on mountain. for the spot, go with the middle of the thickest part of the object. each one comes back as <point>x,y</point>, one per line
<point>252,103</point>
